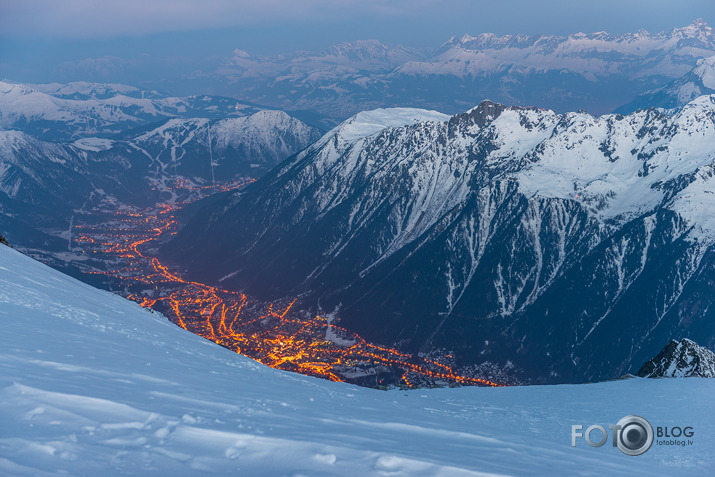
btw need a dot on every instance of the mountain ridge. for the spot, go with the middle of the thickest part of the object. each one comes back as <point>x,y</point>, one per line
<point>435,233</point>
<point>597,72</point>
<point>44,184</point>
<point>680,359</point>
<point>60,112</point>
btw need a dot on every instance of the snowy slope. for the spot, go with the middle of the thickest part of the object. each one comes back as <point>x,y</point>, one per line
<point>201,151</point>
<point>36,173</point>
<point>368,123</point>
<point>611,160</point>
<point>91,384</point>
<point>266,136</point>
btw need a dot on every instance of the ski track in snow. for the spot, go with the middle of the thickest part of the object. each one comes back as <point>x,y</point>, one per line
<point>92,384</point>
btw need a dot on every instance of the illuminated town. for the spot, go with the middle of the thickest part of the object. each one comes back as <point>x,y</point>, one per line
<point>275,334</point>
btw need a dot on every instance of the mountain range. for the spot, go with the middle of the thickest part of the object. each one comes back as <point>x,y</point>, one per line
<point>58,112</point>
<point>56,162</point>
<point>363,215</point>
<point>598,72</point>
<point>469,234</point>
<point>553,247</point>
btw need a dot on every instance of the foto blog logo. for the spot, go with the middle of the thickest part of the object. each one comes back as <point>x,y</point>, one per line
<point>633,435</point>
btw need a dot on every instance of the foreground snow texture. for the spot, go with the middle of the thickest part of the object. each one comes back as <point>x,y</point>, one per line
<point>91,384</point>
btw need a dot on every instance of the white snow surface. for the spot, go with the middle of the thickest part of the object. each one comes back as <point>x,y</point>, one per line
<point>368,123</point>
<point>94,144</point>
<point>21,101</point>
<point>573,166</point>
<point>91,384</point>
<point>353,132</point>
<point>84,87</point>
<point>262,130</point>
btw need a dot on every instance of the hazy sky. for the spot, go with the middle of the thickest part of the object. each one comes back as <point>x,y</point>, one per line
<point>63,40</point>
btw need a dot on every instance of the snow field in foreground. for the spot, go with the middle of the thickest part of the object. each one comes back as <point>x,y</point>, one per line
<point>91,384</point>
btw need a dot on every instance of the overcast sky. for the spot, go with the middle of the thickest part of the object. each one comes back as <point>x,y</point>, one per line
<point>62,40</point>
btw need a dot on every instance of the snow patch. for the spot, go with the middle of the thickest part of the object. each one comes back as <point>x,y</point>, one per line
<point>368,123</point>
<point>94,144</point>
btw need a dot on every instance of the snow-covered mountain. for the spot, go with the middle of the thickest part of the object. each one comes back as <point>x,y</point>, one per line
<point>197,149</point>
<point>82,90</point>
<point>699,81</point>
<point>92,384</point>
<point>69,111</point>
<point>42,183</point>
<point>201,150</point>
<point>556,247</point>
<point>594,55</point>
<point>597,72</point>
<point>338,82</point>
<point>680,359</point>
<point>349,59</point>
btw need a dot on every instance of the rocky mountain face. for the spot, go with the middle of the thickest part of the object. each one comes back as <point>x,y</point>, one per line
<point>552,247</point>
<point>680,359</point>
<point>597,72</point>
<point>697,82</point>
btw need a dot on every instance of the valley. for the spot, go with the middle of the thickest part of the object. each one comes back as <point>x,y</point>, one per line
<point>276,334</point>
